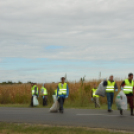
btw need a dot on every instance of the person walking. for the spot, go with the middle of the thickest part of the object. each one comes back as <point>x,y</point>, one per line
<point>110,87</point>
<point>55,92</point>
<point>62,93</point>
<point>44,94</point>
<point>95,98</point>
<point>35,92</point>
<point>128,88</point>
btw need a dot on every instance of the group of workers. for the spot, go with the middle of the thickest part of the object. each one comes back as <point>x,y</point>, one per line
<point>35,92</point>
<point>111,86</point>
<point>127,86</point>
<point>62,92</point>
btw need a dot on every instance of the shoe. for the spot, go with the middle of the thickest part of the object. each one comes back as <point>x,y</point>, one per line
<point>109,110</point>
<point>132,112</point>
<point>121,112</point>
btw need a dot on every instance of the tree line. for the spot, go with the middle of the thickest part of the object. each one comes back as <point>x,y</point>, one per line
<point>11,82</point>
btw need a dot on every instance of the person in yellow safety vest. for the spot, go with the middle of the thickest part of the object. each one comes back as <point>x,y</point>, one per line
<point>35,92</point>
<point>95,98</point>
<point>55,92</point>
<point>110,87</point>
<point>44,94</point>
<point>62,93</point>
<point>127,86</point>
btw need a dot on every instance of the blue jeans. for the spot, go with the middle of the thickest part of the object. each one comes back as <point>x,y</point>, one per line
<point>61,102</point>
<point>110,97</point>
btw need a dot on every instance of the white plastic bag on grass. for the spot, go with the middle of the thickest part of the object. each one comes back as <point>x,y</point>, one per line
<point>35,101</point>
<point>121,101</point>
<point>101,91</point>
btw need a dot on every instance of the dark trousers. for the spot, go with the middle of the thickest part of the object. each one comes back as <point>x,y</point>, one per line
<point>130,101</point>
<point>61,102</point>
<point>45,101</point>
<point>32,101</point>
<point>110,97</point>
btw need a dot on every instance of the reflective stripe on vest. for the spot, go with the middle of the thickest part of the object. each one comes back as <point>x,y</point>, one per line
<point>110,86</point>
<point>62,89</point>
<point>128,88</point>
<point>33,92</point>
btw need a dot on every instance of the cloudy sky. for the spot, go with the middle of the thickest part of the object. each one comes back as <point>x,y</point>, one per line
<point>43,40</point>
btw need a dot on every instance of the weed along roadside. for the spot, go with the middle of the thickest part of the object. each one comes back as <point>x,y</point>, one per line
<point>79,94</point>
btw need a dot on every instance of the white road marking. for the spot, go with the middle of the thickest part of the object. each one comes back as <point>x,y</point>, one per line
<point>96,115</point>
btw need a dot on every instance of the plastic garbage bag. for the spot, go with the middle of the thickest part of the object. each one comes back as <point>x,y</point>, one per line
<point>55,107</point>
<point>54,98</point>
<point>101,91</point>
<point>121,101</point>
<point>35,101</point>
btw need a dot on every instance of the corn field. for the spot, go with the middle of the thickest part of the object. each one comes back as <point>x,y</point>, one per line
<point>79,93</point>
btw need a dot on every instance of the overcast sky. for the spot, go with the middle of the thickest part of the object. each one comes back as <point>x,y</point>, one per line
<point>43,40</point>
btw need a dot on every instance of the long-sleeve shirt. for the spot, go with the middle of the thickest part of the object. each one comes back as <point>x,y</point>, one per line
<point>105,84</point>
<point>123,84</point>
<point>62,94</point>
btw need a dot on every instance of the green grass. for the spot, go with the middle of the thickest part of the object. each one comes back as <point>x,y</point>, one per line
<point>12,128</point>
<point>22,105</point>
<point>67,105</point>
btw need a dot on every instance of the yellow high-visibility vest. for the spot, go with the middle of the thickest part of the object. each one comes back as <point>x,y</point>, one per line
<point>44,91</point>
<point>128,88</point>
<point>34,90</point>
<point>55,92</point>
<point>110,86</point>
<point>62,89</point>
<point>94,91</point>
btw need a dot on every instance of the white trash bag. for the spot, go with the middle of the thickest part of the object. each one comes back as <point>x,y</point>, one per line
<point>35,101</point>
<point>121,101</point>
<point>55,107</point>
<point>54,98</point>
<point>101,91</point>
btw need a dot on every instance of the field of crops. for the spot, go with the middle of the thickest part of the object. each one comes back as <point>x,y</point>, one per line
<point>79,93</point>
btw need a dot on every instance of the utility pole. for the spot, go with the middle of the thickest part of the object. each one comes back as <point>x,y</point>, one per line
<point>65,77</point>
<point>99,75</point>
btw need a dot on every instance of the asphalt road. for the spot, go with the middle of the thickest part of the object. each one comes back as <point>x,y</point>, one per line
<point>70,117</point>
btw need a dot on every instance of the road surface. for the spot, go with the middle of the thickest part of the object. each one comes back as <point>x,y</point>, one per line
<point>71,117</point>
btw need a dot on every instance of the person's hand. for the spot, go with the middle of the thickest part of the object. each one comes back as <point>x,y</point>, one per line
<point>66,97</point>
<point>116,90</point>
<point>122,88</point>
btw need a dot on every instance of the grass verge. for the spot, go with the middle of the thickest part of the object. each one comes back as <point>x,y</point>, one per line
<point>67,105</point>
<point>15,128</point>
